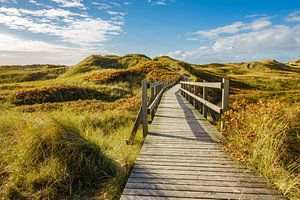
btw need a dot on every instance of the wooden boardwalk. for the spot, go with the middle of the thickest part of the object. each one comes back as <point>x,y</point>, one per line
<point>180,159</point>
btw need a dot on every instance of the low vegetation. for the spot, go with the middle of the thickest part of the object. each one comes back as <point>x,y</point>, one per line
<point>266,136</point>
<point>64,93</point>
<point>63,155</point>
<point>63,129</point>
<point>152,70</point>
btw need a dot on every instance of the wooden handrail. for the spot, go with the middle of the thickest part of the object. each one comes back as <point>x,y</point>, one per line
<point>154,102</point>
<point>218,85</point>
<point>203,101</point>
<point>192,95</point>
<point>157,90</point>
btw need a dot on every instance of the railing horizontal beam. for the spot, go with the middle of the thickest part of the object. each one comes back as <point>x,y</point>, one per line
<point>203,101</point>
<point>218,85</point>
<point>155,101</point>
<point>155,84</point>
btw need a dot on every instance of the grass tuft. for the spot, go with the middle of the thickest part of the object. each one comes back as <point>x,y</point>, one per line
<point>54,157</point>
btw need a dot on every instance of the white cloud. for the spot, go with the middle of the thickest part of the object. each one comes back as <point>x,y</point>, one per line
<point>160,2</point>
<point>115,13</point>
<point>75,28</point>
<point>46,24</point>
<point>294,17</point>
<point>70,3</point>
<point>15,50</point>
<point>246,41</point>
<point>13,43</point>
<point>235,27</point>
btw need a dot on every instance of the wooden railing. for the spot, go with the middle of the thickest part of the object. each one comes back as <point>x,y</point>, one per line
<point>190,90</point>
<point>156,91</point>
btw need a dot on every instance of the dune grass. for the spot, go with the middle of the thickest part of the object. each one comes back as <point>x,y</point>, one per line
<point>64,155</point>
<point>266,136</point>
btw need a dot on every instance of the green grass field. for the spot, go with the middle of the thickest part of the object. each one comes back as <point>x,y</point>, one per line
<point>63,129</point>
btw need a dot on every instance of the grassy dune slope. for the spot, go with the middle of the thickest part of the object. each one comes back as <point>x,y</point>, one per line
<point>63,129</point>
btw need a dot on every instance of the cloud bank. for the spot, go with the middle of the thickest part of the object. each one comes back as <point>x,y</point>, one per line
<point>240,41</point>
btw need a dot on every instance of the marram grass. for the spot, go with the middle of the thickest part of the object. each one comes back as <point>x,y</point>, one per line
<point>56,157</point>
<point>266,136</point>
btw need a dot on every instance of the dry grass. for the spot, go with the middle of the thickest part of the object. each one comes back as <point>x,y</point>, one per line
<point>63,155</point>
<point>266,136</point>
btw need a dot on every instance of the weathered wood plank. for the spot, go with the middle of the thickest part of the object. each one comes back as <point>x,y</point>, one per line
<point>199,177</point>
<point>196,168</point>
<point>199,188</point>
<point>196,182</point>
<point>193,194</point>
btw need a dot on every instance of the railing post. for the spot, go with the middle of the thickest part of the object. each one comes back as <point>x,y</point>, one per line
<point>205,94</point>
<point>144,108</point>
<point>225,94</point>
<point>152,91</point>
<point>195,93</point>
<point>225,98</point>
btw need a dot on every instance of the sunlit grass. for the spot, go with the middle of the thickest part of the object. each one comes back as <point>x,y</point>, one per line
<point>266,136</point>
<point>62,154</point>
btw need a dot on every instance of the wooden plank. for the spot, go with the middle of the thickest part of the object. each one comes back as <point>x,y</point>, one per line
<point>199,188</point>
<point>171,168</point>
<point>199,177</point>
<point>161,165</point>
<point>203,172</point>
<point>185,160</point>
<point>133,197</point>
<point>193,194</point>
<point>199,183</point>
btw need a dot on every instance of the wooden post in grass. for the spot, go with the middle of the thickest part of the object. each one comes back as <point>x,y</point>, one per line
<point>144,108</point>
<point>205,95</point>
<point>225,98</point>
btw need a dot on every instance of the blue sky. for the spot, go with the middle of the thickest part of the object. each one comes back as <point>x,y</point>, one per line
<point>197,31</point>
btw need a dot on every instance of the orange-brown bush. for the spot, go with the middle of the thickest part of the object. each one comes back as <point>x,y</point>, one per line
<point>63,93</point>
<point>152,70</point>
<point>266,135</point>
